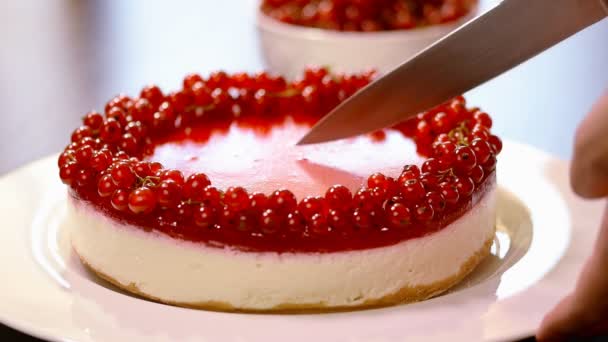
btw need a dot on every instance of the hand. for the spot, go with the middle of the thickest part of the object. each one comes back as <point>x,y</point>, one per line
<point>585,311</point>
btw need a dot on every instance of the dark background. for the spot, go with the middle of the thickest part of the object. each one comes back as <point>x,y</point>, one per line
<point>59,59</point>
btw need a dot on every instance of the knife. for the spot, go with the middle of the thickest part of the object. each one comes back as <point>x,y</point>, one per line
<point>502,38</point>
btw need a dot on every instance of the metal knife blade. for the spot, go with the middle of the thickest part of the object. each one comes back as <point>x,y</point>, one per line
<point>504,37</point>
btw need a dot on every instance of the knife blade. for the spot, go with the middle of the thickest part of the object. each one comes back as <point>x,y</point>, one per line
<point>502,38</point>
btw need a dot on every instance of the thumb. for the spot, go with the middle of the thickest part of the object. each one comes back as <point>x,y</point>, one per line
<point>560,324</point>
<point>589,167</point>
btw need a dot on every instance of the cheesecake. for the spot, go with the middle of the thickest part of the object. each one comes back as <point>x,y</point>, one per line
<point>200,198</point>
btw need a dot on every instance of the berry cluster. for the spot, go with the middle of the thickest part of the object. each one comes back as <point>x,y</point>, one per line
<point>106,164</point>
<point>462,154</point>
<point>367,15</point>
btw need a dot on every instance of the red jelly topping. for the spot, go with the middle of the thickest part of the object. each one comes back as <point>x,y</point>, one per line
<point>113,164</point>
<point>367,15</point>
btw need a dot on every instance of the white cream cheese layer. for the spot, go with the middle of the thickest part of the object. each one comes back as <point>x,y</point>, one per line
<point>184,272</point>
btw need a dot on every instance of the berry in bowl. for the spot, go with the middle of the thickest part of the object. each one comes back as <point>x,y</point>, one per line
<point>353,35</point>
<point>200,198</point>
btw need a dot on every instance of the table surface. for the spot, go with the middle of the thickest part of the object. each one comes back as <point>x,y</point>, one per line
<point>60,59</point>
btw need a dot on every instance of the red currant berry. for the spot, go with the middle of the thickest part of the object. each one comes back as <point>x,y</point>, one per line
<point>430,181</point>
<point>258,202</point>
<point>120,101</point>
<point>362,219</point>
<point>433,166</point>
<point>465,186</point>
<point>191,79</point>
<point>202,94</point>
<point>120,200</point>
<point>318,225</point>
<point>122,175</point>
<point>339,197</point>
<point>311,205</point>
<point>66,157</point>
<point>477,174</point>
<point>423,131</point>
<point>270,222</point>
<point>111,131</point>
<point>490,165</point>
<point>399,216</point>
<point>195,184</point>
<point>465,159</point>
<point>441,122</point>
<point>218,79</point>
<point>101,160</point>
<point>412,190</point>
<point>482,150</point>
<point>436,201</point>
<point>129,144</point>
<point>483,119</point>
<point>444,153</point>
<point>228,218</point>
<point>142,111</point>
<point>295,222</point>
<point>378,180</point>
<point>423,213</point>
<point>211,195</point>
<point>393,200</point>
<point>496,144</point>
<point>236,198</point>
<point>245,221</point>
<point>165,116</point>
<point>118,114</point>
<point>67,172</point>
<point>136,129</point>
<point>120,155</point>
<point>409,172</point>
<point>366,199</point>
<point>220,97</point>
<point>457,108</point>
<point>449,192</point>
<point>94,120</point>
<point>105,186</point>
<point>442,138</point>
<point>87,141</point>
<point>338,220</point>
<point>142,169</point>
<point>378,195</point>
<point>174,175</point>
<point>282,201</point>
<point>204,216</point>
<point>81,133</point>
<point>153,94</point>
<point>142,200</point>
<point>392,187</point>
<point>480,132</point>
<point>166,220</point>
<point>155,167</point>
<point>184,212</point>
<point>169,193</point>
<point>83,155</point>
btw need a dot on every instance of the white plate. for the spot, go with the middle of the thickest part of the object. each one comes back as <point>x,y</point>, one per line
<point>545,234</point>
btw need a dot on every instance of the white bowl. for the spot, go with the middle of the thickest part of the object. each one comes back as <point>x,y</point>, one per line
<point>288,49</point>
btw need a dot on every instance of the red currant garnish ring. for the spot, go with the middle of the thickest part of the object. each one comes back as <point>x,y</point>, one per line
<point>107,165</point>
<point>353,35</point>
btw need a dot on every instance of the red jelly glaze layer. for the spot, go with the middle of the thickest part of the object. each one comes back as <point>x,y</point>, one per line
<point>82,168</point>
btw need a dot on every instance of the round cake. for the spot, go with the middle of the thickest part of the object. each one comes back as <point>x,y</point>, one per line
<point>201,198</point>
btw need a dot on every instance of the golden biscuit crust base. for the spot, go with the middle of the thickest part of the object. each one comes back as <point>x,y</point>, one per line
<point>404,295</point>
